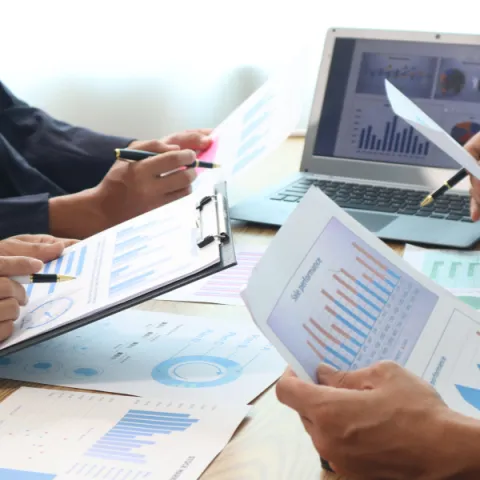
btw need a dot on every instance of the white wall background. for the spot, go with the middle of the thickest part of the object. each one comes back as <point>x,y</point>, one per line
<point>145,68</point>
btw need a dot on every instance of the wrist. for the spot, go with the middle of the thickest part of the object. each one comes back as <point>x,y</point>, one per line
<point>77,215</point>
<point>458,456</point>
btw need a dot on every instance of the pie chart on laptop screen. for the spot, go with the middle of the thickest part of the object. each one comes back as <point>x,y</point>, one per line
<point>462,132</point>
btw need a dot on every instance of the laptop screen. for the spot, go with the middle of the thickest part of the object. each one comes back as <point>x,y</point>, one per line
<point>357,122</point>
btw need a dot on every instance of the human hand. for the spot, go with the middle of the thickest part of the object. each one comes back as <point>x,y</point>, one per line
<point>42,247</point>
<point>473,147</point>
<point>198,140</point>
<point>12,294</point>
<point>131,188</point>
<point>376,423</point>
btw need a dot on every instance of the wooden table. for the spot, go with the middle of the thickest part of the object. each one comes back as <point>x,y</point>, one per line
<point>271,444</point>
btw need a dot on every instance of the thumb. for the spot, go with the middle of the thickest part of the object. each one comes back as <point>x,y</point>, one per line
<point>473,146</point>
<point>358,380</point>
<point>10,266</point>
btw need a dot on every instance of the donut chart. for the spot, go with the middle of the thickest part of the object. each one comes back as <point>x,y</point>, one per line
<point>196,371</point>
<point>47,312</point>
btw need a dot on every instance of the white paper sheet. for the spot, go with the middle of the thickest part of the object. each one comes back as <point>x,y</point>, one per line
<point>224,287</point>
<point>336,294</point>
<point>259,125</point>
<point>418,119</point>
<point>120,263</point>
<point>155,355</point>
<point>48,434</point>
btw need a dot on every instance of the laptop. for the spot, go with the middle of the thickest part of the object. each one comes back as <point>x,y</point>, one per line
<point>371,162</point>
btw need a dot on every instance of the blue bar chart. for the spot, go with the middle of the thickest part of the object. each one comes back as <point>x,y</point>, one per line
<point>135,248</point>
<point>393,139</point>
<point>354,306</point>
<point>137,429</point>
<point>72,263</point>
<point>254,129</point>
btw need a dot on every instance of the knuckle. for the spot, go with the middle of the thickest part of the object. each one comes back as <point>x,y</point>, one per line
<point>385,368</point>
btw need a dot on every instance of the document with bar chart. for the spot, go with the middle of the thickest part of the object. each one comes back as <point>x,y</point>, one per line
<point>331,292</point>
<point>224,287</point>
<point>357,308</point>
<point>123,263</point>
<point>49,434</point>
<point>261,123</point>
<point>153,354</point>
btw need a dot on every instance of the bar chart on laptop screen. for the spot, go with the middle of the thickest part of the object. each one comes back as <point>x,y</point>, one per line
<point>352,308</point>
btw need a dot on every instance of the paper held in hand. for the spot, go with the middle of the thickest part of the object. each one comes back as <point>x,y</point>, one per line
<point>329,291</point>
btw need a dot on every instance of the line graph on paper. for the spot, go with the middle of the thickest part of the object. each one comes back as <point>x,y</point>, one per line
<point>357,307</point>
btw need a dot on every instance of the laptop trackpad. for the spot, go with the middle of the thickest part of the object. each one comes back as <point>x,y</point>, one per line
<point>373,221</point>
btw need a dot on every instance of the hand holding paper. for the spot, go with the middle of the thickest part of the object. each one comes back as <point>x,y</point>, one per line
<point>337,295</point>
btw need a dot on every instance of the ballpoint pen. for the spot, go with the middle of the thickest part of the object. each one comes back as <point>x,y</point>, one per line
<point>41,278</point>
<point>136,155</point>
<point>450,183</point>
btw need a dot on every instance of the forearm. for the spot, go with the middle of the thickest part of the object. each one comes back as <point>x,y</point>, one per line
<point>76,216</point>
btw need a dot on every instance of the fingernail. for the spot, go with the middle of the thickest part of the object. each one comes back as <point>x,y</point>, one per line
<point>324,371</point>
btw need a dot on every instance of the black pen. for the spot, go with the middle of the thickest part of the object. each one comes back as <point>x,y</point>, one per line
<point>136,155</point>
<point>450,183</point>
<point>41,278</point>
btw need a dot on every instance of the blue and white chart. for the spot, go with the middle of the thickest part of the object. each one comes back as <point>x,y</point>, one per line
<point>353,306</point>
<point>260,124</point>
<point>120,263</point>
<point>454,371</point>
<point>110,437</point>
<point>154,354</point>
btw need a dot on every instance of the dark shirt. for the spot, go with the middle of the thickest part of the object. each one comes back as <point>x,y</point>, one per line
<point>41,157</point>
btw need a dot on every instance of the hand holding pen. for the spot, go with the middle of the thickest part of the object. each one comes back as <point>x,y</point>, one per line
<point>450,183</point>
<point>130,155</point>
<point>13,271</point>
<point>472,147</point>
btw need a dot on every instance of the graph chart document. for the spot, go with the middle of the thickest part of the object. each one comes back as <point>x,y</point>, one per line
<point>338,295</point>
<point>224,287</point>
<point>48,434</point>
<point>154,355</point>
<point>260,124</point>
<point>122,263</point>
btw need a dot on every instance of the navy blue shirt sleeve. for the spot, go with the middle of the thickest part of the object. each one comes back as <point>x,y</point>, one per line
<point>41,157</point>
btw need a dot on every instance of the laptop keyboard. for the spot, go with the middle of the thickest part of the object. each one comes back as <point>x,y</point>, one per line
<point>381,199</point>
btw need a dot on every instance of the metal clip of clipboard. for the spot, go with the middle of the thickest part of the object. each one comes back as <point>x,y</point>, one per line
<point>211,220</point>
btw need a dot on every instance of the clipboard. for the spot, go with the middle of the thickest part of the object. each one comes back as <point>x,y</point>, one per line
<point>223,236</point>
